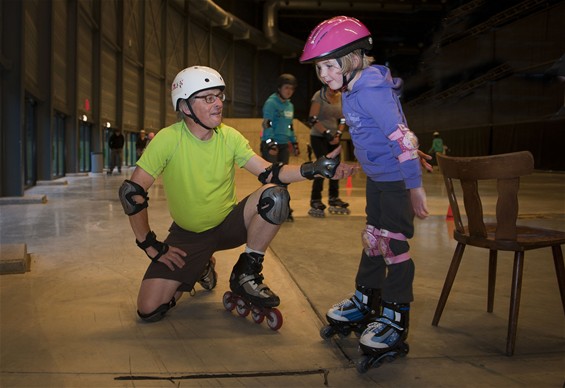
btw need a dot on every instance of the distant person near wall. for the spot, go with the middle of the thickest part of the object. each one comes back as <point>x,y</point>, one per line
<point>437,147</point>
<point>116,144</point>
<point>140,143</point>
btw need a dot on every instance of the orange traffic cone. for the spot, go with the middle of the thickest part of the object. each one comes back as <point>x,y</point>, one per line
<point>449,215</point>
<point>348,186</point>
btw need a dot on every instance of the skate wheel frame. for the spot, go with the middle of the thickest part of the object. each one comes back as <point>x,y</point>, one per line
<point>316,214</point>
<point>339,211</point>
<point>233,301</point>
<point>374,361</point>
<point>342,331</point>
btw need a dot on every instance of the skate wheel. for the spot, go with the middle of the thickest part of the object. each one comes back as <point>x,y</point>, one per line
<point>404,349</point>
<point>228,301</point>
<point>257,316</point>
<point>242,308</point>
<point>274,319</point>
<point>327,332</point>
<point>363,364</point>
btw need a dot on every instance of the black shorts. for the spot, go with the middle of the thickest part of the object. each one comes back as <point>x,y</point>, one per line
<point>199,247</point>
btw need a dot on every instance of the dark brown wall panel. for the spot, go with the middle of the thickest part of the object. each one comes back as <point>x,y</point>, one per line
<point>85,64</point>
<point>132,95</point>
<point>109,84</point>
<point>60,53</point>
<point>153,102</point>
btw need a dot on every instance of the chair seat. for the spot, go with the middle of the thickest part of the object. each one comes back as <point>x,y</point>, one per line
<point>528,238</point>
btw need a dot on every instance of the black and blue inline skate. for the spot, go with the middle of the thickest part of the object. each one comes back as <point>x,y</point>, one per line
<point>353,314</point>
<point>384,340</point>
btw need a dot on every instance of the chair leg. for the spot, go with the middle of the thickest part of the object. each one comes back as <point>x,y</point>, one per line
<point>515,301</point>
<point>455,261</point>
<point>492,260</point>
<point>560,271</point>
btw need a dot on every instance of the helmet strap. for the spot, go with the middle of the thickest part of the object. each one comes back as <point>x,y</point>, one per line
<point>352,75</point>
<point>346,80</point>
<point>193,116</point>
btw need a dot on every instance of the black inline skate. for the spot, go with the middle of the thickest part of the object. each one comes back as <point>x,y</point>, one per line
<point>353,314</point>
<point>209,277</point>
<point>337,206</point>
<point>250,295</point>
<point>384,339</point>
<point>317,209</point>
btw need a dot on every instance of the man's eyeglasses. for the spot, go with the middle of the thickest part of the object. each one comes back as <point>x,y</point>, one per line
<point>211,98</point>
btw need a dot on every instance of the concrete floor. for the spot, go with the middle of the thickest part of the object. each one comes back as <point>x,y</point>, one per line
<point>70,321</point>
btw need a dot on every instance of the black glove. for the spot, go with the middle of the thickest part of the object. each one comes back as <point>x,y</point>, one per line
<point>328,135</point>
<point>271,144</point>
<point>323,166</point>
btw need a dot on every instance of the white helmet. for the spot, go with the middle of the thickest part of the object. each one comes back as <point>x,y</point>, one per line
<point>192,80</point>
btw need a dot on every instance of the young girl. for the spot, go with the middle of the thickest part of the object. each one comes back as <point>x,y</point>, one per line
<point>388,153</point>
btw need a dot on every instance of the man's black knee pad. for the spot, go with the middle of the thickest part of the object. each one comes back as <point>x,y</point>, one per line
<point>159,312</point>
<point>274,205</point>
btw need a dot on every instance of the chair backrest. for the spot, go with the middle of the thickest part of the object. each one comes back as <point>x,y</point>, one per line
<point>506,169</point>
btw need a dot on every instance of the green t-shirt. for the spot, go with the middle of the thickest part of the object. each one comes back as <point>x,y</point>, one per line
<point>198,176</point>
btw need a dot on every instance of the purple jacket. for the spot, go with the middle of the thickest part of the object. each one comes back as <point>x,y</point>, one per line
<point>372,111</point>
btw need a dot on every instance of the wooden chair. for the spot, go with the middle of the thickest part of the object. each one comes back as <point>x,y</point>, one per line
<point>504,235</point>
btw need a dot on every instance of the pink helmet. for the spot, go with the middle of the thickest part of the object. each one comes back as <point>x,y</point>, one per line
<point>336,37</point>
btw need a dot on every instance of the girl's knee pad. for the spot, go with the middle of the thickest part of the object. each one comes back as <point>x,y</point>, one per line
<point>377,242</point>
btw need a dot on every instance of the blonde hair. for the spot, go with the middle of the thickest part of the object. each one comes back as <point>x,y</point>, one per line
<point>355,60</point>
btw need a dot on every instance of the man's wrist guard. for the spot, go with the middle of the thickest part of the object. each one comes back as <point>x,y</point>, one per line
<point>151,241</point>
<point>323,166</point>
<point>272,171</point>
